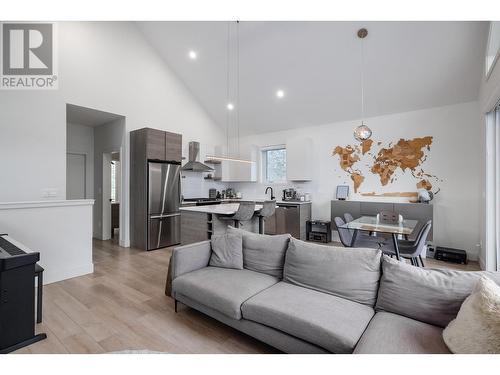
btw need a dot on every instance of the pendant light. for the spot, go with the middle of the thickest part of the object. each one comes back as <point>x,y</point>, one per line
<point>233,110</point>
<point>362,132</point>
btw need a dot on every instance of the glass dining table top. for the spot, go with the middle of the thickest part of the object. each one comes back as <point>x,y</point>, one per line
<point>370,223</point>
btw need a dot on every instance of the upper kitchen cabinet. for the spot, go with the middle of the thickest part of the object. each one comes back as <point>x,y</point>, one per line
<point>299,159</point>
<point>234,171</point>
<point>173,147</point>
<point>157,144</point>
<point>154,143</point>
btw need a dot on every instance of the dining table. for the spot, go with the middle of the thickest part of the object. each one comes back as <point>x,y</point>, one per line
<point>373,224</point>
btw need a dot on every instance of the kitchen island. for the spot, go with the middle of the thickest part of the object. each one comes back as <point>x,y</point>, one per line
<point>199,223</point>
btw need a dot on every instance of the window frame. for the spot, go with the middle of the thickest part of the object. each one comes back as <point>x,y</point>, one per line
<point>264,165</point>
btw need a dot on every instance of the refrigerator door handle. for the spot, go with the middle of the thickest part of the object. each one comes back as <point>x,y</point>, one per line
<point>164,216</point>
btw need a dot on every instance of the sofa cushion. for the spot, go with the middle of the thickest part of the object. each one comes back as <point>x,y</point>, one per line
<point>263,253</point>
<point>433,296</point>
<point>227,251</point>
<point>352,273</point>
<point>389,333</point>
<point>222,289</point>
<point>330,322</point>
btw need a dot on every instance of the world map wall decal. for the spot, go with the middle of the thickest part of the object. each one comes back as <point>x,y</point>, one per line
<point>405,155</point>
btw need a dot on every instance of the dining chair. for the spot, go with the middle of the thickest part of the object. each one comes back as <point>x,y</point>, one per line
<point>348,217</point>
<point>352,237</point>
<point>245,212</point>
<point>411,249</point>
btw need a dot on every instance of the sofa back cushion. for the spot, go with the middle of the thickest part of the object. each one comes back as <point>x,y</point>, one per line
<point>432,296</point>
<point>352,273</point>
<point>263,253</point>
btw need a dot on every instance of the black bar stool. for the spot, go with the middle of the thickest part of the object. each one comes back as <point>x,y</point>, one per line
<point>268,209</point>
<point>39,292</point>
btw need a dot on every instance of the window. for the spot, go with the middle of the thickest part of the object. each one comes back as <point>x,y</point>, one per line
<point>274,164</point>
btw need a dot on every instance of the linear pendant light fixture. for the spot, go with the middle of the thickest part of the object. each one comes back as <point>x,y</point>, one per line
<point>362,132</point>
<point>233,110</point>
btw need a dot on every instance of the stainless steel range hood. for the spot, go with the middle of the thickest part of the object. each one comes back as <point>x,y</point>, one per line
<point>193,163</point>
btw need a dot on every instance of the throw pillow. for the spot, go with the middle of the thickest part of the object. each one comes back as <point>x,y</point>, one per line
<point>227,251</point>
<point>476,329</point>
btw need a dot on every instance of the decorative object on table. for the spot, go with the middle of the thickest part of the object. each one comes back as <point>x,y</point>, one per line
<point>227,251</point>
<point>342,192</point>
<point>451,255</point>
<point>362,132</point>
<point>476,329</point>
<point>425,196</point>
<point>319,230</point>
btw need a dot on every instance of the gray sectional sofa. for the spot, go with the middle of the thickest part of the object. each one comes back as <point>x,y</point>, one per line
<point>306,298</point>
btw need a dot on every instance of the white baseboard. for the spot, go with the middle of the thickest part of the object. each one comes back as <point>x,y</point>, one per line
<point>52,276</point>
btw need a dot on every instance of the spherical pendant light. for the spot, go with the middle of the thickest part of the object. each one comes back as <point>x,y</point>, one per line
<point>362,133</point>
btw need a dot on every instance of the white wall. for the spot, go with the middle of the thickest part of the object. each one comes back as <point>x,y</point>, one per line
<point>80,140</point>
<point>102,65</point>
<point>60,230</point>
<point>454,158</point>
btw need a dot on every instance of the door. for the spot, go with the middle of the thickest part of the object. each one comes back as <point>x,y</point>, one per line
<point>75,176</point>
<point>163,188</point>
<point>164,230</point>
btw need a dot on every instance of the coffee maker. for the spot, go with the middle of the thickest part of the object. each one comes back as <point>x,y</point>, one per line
<point>289,194</point>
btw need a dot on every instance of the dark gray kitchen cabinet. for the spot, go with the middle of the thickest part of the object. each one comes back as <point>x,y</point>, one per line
<point>147,144</point>
<point>155,144</point>
<point>173,147</point>
<point>290,217</point>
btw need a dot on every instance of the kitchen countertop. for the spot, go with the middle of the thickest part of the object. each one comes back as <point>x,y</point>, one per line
<point>218,209</point>
<point>262,200</point>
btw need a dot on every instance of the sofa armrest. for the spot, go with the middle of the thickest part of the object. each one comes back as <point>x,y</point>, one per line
<point>190,258</point>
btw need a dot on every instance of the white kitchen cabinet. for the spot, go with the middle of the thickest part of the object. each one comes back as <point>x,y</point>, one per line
<point>299,159</point>
<point>232,171</point>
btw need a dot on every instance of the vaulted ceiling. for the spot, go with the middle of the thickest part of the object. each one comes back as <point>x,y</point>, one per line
<point>407,66</point>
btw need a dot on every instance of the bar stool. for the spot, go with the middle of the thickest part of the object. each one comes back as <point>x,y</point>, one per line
<point>39,292</point>
<point>268,209</point>
<point>245,212</point>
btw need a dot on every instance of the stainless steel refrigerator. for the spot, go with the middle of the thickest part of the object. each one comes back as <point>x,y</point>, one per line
<point>164,195</point>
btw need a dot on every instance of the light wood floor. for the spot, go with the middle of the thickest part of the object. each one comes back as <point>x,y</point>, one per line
<point>122,306</point>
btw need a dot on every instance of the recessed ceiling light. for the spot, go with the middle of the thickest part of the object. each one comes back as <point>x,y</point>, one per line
<point>280,94</point>
<point>230,106</point>
<point>192,55</point>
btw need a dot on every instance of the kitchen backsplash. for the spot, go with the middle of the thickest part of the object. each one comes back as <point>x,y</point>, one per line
<point>193,185</point>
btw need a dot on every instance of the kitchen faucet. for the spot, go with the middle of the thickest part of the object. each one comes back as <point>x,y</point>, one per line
<point>272,193</point>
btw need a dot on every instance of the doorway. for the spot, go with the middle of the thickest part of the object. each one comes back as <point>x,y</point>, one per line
<point>111,191</point>
<point>95,142</point>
